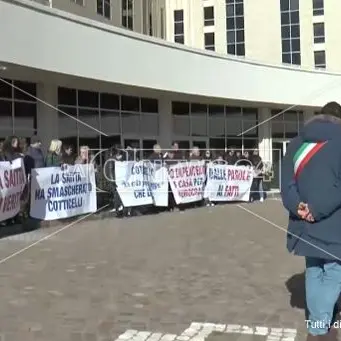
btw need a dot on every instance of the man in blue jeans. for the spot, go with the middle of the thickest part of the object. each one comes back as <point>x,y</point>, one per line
<point>311,192</point>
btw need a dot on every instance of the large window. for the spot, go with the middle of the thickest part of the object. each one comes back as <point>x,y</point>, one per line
<point>209,16</point>
<point>235,36</point>
<point>209,41</point>
<point>290,30</point>
<point>320,59</point>
<point>218,123</point>
<point>179,34</point>
<point>18,109</point>
<point>111,114</point>
<point>319,33</point>
<point>128,14</point>
<point>318,7</point>
<point>286,125</point>
<point>104,8</point>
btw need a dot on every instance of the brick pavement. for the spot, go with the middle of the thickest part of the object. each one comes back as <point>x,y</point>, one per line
<point>155,273</point>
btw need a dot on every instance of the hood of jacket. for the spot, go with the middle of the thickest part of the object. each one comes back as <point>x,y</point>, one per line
<point>322,128</point>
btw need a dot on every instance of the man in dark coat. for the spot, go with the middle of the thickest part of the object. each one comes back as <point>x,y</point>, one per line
<point>34,157</point>
<point>311,192</point>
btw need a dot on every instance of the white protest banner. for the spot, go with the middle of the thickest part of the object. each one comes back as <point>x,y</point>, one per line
<point>228,183</point>
<point>132,181</point>
<point>159,186</point>
<point>12,184</point>
<point>187,181</point>
<point>58,193</point>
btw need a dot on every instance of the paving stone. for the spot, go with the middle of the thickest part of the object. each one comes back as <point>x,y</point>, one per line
<point>155,274</point>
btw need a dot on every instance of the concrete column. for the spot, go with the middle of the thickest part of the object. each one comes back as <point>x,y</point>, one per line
<point>47,113</point>
<point>264,134</point>
<point>165,122</point>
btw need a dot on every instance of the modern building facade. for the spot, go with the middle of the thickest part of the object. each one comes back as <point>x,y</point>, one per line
<point>89,82</point>
<point>301,33</point>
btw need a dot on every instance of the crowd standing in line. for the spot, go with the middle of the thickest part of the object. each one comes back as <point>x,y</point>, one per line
<point>60,154</point>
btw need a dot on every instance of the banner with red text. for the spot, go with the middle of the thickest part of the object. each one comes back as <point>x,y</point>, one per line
<point>12,184</point>
<point>187,181</point>
<point>228,183</point>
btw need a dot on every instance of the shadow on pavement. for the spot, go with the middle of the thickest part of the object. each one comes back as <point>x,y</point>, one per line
<point>296,287</point>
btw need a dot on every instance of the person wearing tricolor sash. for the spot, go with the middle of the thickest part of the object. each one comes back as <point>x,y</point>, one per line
<point>311,192</point>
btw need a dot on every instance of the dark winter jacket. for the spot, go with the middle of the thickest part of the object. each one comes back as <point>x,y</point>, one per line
<point>318,184</point>
<point>34,158</point>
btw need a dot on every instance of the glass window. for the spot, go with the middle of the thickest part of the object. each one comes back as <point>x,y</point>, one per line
<point>320,59</point>
<point>130,123</point>
<point>286,46</point>
<point>178,28</point>
<point>91,120</point>
<point>67,96</point>
<point>149,105</point>
<point>209,39</point>
<point>88,99</point>
<point>25,117</point>
<point>209,16</point>
<point>180,108</point>
<point>110,122</point>
<point>250,114</point>
<point>285,32</point>
<point>239,22</point>
<point>240,36</point>
<point>319,34</point>
<point>295,31</point>
<point>149,125</point>
<point>230,23</point>
<point>6,118</point>
<point>231,49</point>
<point>233,112</point>
<point>179,39</point>
<point>285,18</point>
<point>29,91</point>
<point>130,103</point>
<point>239,9</point>
<point>240,49</point>
<point>295,17</point>
<point>286,58</point>
<point>67,125</point>
<point>296,58</point>
<point>318,7</point>
<point>295,45</point>
<point>178,15</point>
<point>284,5</point>
<point>107,9</point>
<point>5,89</point>
<point>198,108</point>
<point>231,36</point>
<point>109,101</point>
<point>294,5</point>
<point>230,10</point>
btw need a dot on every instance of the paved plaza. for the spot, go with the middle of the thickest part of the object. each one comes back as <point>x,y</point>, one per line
<point>219,273</point>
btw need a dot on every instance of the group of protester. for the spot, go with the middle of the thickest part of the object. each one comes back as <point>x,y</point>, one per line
<point>60,154</point>
<point>175,155</point>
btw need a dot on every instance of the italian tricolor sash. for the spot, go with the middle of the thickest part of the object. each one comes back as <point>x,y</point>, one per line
<point>304,154</point>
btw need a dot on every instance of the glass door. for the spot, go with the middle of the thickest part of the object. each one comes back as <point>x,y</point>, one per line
<point>279,149</point>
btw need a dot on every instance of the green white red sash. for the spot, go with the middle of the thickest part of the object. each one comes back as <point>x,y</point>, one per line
<point>304,154</point>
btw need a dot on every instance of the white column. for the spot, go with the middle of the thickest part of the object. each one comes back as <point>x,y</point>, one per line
<point>264,134</point>
<point>47,113</point>
<point>165,122</point>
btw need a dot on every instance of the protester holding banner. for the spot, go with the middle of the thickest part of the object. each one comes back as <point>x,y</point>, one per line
<point>10,149</point>
<point>54,157</point>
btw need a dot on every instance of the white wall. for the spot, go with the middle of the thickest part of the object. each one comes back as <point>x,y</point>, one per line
<point>263,31</point>
<point>96,51</point>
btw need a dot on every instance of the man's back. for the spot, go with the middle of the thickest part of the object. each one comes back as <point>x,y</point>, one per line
<point>311,173</point>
